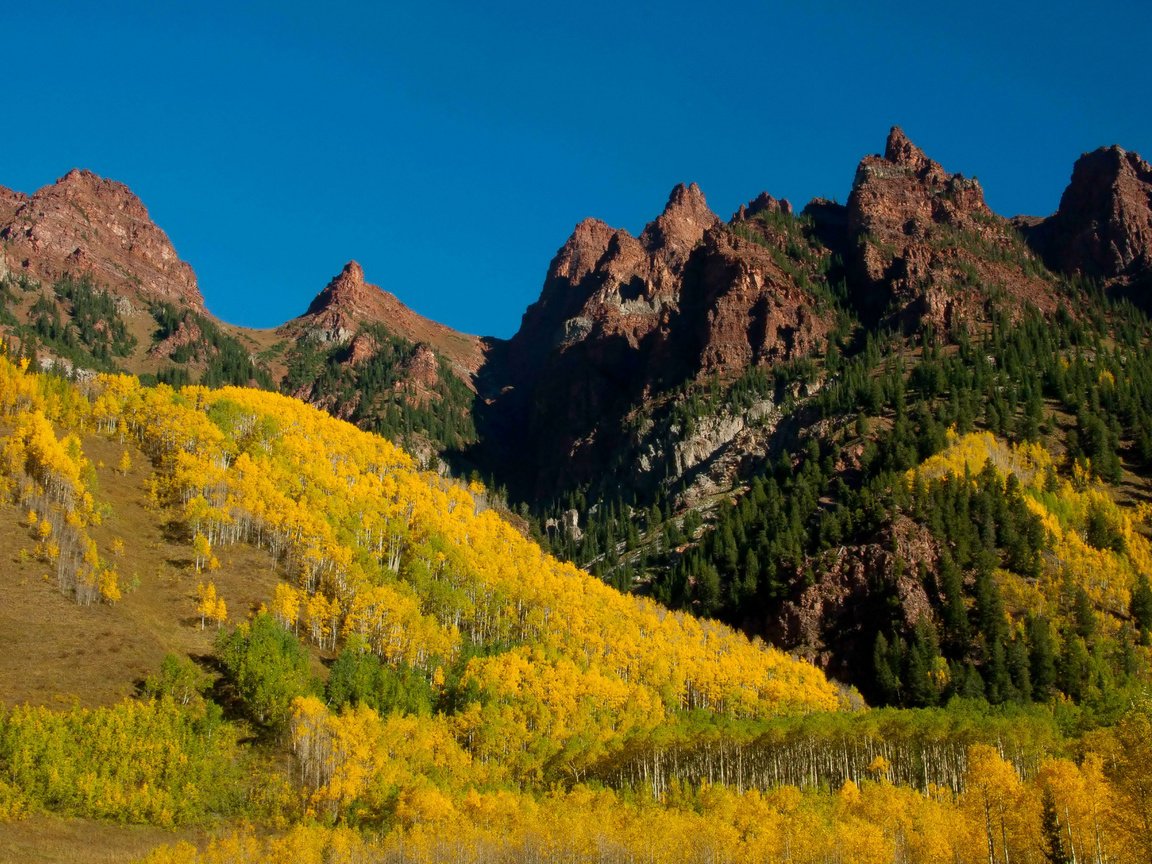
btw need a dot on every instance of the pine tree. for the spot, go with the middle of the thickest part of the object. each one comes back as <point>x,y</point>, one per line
<point>1141,608</point>
<point>1054,851</point>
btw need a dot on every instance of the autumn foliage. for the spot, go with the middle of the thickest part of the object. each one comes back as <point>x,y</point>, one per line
<point>488,702</point>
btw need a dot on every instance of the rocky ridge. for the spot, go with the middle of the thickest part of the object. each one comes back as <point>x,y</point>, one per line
<point>1103,227</point>
<point>84,224</point>
<point>923,247</point>
<point>623,324</point>
<point>348,303</point>
<point>623,319</point>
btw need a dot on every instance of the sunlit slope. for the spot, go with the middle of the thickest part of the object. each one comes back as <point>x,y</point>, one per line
<point>411,566</point>
<point>1088,543</point>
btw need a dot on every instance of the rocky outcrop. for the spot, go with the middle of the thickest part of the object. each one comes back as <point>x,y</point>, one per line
<point>84,224</point>
<point>604,283</point>
<point>1103,228</point>
<point>348,303</point>
<point>10,202</point>
<point>762,203</point>
<point>923,247</point>
<point>754,311</point>
<point>187,338</point>
<point>622,320</point>
<point>833,622</point>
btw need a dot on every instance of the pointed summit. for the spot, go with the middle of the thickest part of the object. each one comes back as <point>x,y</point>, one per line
<point>902,151</point>
<point>352,271</point>
<point>582,251</point>
<point>682,224</point>
<point>347,291</point>
<point>689,197</point>
<point>1104,225</point>
<point>348,303</point>
<point>903,210</point>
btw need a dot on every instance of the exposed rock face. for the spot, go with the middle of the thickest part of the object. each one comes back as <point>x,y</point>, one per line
<point>622,319</point>
<point>85,224</point>
<point>348,303</point>
<point>755,311</point>
<point>832,622</point>
<point>187,335</point>
<point>10,202</point>
<point>609,281</point>
<point>762,203</point>
<point>1103,227</point>
<point>923,246</point>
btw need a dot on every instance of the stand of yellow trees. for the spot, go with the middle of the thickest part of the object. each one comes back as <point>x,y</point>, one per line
<point>572,723</point>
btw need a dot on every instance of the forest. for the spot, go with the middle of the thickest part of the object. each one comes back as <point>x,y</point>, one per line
<point>422,681</point>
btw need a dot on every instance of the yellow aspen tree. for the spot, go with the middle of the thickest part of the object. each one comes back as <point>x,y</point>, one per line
<point>992,793</point>
<point>1133,776</point>
<point>201,551</point>
<point>108,584</point>
<point>219,613</point>
<point>206,602</point>
<point>286,606</point>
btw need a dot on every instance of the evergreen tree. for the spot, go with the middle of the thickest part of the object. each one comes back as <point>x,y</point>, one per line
<point>1141,608</point>
<point>1054,850</point>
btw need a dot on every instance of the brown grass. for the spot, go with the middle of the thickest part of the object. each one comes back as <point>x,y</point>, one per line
<point>58,653</point>
<point>52,840</point>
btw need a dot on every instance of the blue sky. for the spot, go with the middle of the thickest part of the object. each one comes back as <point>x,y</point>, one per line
<point>451,147</point>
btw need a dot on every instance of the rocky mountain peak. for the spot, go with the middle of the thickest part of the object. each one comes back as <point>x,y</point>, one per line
<point>349,302</point>
<point>682,225</point>
<point>686,197</point>
<point>583,250</point>
<point>352,273</point>
<point>86,224</point>
<point>917,242</point>
<point>347,292</point>
<point>900,150</point>
<point>763,203</point>
<point>1103,227</point>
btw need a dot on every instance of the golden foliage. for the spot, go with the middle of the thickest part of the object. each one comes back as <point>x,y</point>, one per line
<point>1073,511</point>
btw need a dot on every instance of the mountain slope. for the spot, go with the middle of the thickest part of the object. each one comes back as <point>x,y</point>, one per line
<point>699,742</point>
<point>923,247</point>
<point>622,322</point>
<point>85,225</point>
<point>659,378</point>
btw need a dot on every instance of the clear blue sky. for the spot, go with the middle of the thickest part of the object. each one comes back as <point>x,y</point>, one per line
<point>451,147</point>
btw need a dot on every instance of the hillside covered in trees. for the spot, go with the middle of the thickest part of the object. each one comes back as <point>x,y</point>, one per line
<point>390,668</point>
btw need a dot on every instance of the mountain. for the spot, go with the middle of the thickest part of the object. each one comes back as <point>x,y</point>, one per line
<point>894,453</point>
<point>362,355</point>
<point>710,411</point>
<point>1103,227</point>
<point>730,422</point>
<point>90,282</point>
<point>923,247</point>
<point>348,303</point>
<point>623,322</point>
<point>85,225</point>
